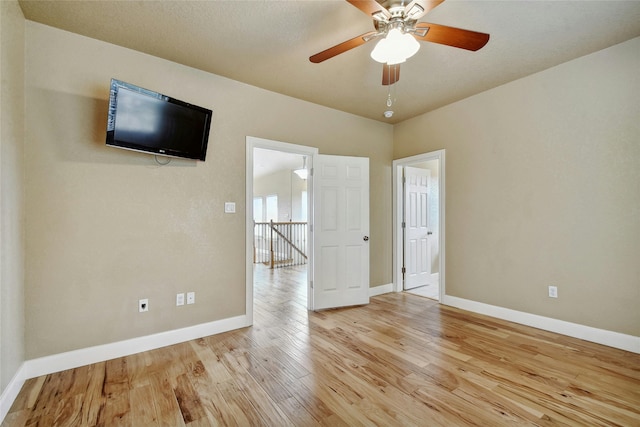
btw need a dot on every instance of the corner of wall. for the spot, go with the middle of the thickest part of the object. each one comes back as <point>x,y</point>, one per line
<point>12,37</point>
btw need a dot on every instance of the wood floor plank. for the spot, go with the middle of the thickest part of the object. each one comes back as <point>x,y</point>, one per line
<point>143,408</point>
<point>93,398</point>
<point>188,400</point>
<point>315,406</point>
<point>165,401</point>
<point>402,360</point>
<point>69,411</point>
<point>216,369</point>
<point>261,403</point>
<point>27,398</point>
<point>240,408</point>
<point>117,408</point>
<point>43,412</point>
<point>213,403</point>
<point>297,413</point>
<point>333,399</point>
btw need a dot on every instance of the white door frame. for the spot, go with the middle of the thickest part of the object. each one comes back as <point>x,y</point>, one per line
<point>251,143</point>
<point>397,167</point>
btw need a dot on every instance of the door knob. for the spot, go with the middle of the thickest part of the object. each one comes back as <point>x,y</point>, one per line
<point>365,238</point>
<point>429,233</point>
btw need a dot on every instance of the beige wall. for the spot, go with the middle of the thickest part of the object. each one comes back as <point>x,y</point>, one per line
<point>106,227</point>
<point>11,191</point>
<point>542,180</point>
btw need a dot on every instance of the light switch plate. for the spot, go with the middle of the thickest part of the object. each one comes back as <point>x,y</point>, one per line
<point>230,207</point>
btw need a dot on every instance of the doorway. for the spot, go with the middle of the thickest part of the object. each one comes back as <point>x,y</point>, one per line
<point>285,150</point>
<point>338,213</point>
<point>414,240</point>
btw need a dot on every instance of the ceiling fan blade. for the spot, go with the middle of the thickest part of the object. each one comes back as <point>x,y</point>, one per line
<point>342,47</point>
<point>418,8</point>
<point>456,37</point>
<point>371,8</point>
<point>390,74</point>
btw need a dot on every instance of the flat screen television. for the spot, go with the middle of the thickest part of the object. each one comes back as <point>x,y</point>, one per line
<point>142,120</point>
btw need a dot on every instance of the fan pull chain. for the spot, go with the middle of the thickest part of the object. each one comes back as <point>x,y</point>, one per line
<point>390,100</point>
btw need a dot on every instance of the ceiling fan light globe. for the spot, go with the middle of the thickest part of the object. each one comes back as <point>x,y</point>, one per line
<point>394,35</point>
<point>410,45</point>
<point>395,48</point>
<point>381,51</point>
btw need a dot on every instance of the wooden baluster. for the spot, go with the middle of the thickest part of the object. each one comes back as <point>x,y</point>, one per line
<point>271,243</point>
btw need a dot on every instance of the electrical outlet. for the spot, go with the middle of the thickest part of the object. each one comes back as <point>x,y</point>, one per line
<point>180,299</point>
<point>191,297</point>
<point>143,305</point>
<point>553,292</point>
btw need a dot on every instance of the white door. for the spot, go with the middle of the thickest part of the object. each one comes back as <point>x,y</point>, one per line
<point>417,253</point>
<point>341,231</point>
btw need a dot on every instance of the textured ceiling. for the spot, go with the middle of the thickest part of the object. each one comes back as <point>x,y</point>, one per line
<point>268,43</point>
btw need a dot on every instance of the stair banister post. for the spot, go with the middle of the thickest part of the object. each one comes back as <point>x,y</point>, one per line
<point>272,263</point>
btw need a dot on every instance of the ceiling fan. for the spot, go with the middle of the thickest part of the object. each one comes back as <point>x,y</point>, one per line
<point>399,21</point>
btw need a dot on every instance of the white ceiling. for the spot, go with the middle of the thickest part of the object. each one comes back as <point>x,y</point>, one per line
<point>266,162</point>
<point>268,43</point>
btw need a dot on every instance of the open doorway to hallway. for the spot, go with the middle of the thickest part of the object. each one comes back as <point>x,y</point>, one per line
<point>419,225</point>
<point>280,216</point>
<point>279,245</point>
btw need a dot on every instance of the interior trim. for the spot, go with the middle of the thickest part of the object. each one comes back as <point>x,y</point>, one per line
<point>379,290</point>
<point>100,353</point>
<point>600,336</point>
<point>11,391</point>
<point>85,356</point>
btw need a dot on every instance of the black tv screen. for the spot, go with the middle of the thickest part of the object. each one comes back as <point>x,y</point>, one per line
<point>147,121</point>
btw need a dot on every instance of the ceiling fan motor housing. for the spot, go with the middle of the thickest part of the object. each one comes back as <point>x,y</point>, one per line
<point>398,19</point>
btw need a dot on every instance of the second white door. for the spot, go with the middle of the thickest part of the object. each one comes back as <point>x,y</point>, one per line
<point>417,250</point>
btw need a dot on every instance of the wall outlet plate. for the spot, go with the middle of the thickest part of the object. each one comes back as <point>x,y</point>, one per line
<point>553,292</point>
<point>143,305</point>
<point>191,297</point>
<point>180,299</point>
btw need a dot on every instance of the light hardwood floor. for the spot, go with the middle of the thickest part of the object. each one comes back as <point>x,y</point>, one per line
<point>427,291</point>
<point>401,360</point>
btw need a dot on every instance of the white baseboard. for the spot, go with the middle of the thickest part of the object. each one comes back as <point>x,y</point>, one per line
<point>85,356</point>
<point>100,353</point>
<point>587,333</point>
<point>379,290</point>
<point>11,391</point>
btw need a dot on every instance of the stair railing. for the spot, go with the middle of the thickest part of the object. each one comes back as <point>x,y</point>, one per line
<point>280,244</point>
